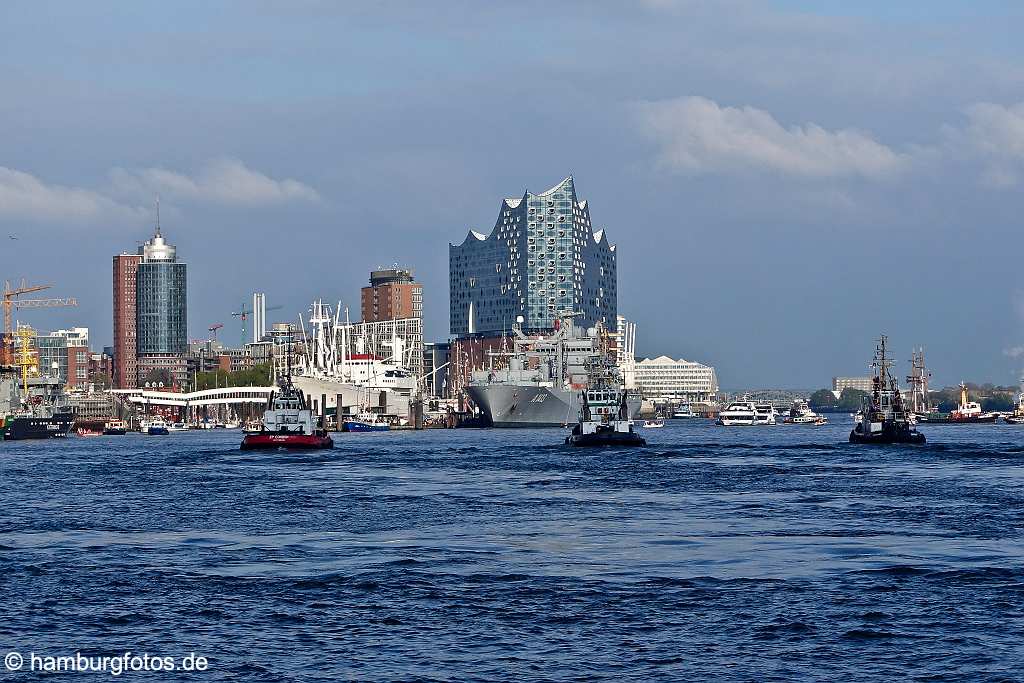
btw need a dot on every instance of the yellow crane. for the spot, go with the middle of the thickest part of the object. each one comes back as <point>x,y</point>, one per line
<point>25,357</point>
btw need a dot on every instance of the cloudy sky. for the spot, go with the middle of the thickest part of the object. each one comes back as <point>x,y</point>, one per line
<point>785,179</point>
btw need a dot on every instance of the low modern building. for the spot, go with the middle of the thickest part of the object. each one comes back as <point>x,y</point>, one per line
<point>840,383</point>
<point>393,294</point>
<point>669,379</point>
<point>541,258</point>
<point>436,362</point>
<point>64,355</point>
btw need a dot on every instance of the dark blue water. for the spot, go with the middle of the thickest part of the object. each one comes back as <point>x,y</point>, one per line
<point>772,554</point>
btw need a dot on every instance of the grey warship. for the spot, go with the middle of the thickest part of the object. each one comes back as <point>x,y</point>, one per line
<point>539,382</point>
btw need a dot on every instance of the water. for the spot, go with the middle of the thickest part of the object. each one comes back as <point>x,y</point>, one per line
<point>735,554</point>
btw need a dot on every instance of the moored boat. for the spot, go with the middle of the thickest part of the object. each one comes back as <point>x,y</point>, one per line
<point>115,428</point>
<point>154,427</point>
<point>885,418</point>
<point>365,422</point>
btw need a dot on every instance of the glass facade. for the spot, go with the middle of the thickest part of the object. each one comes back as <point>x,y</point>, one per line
<point>161,308</point>
<point>542,258</point>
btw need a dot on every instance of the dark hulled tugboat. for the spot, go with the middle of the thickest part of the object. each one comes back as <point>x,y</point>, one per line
<point>885,420</point>
<point>288,423</point>
<point>604,421</point>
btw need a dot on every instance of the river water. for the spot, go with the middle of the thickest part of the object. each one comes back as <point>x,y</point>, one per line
<point>734,554</point>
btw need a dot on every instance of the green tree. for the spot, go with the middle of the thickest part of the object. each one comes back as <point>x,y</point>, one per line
<point>851,399</point>
<point>822,398</point>
<point>998,402</point>
<point>257,376</point>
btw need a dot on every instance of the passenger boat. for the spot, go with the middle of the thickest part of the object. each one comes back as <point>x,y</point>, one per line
<point>683,412</point>
<point>115,428</point>
<point>745,413</point>
<point>288,423</point>
<point>155,427</point>
<point>885,417</point>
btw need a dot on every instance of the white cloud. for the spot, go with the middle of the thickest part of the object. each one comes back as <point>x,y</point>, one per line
<point>25,197</point>
<point>1015,352</point>
<point>223,181</point>
<point>993,136</point>
<point>697,135</point>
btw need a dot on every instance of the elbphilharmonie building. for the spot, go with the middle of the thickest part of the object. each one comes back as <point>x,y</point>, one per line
<point>542,258</point>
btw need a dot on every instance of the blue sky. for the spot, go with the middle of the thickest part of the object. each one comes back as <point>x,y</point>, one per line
<point>785,180</point>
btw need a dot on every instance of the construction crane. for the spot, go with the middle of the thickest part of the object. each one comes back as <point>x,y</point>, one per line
<point>213,330</point>
<point>244,314</point>
<point>11,301</point>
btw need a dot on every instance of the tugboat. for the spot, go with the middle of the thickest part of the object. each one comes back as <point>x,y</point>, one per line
<point>604,421</point>
<point>288,423</point>
<point>885,420</point>
<point>800,413</point>
<point>968,412</point>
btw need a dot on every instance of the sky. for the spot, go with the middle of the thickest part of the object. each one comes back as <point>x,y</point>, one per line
<point>785,179</point>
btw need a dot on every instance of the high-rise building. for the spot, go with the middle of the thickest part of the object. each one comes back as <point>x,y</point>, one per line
<point>542,258</point>
<point>393,294</point>
<point>161,310</point>
<point>125,364</point>
<point>259,317</point>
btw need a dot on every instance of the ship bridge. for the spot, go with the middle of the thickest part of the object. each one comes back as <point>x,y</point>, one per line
<point>206,397</point>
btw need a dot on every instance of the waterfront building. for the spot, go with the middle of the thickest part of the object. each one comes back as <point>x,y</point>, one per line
<point>125,365</point>
<point>393,293</point>
<point>64,355</point>
<point>840,383</point>
<point>161,310</point>
<point>669,379</point>
<point>541,258</point>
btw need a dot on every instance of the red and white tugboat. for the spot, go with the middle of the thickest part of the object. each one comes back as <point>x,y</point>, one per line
<point>288,423</point>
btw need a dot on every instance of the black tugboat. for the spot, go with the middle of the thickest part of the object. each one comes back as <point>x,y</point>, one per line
<point>885,418</point>
<point>604,421</point>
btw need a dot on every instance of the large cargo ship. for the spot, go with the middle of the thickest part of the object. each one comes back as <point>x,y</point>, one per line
<point>539,382</point>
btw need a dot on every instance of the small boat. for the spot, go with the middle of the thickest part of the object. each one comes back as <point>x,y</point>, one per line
<point>885,418</point>
<point>88,431</point>
<point>288,423</point>
<point>604,420</point>
<point>683,412</point>
<point>177,427</point>
<point>652,424</point>
<point>1017,416</point>
<point>800,413</point>
<point>154,427</point>
<point>365,422</point>
<point>253,426</point>
<point>115,428</point>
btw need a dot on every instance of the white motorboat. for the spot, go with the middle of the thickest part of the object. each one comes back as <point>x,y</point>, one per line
<point>652,424</point>
<point>738,413</point>
<point>766,414</point>
<point>683,412</point>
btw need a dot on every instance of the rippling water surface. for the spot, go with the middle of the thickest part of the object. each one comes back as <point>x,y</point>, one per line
<point>771,554</point>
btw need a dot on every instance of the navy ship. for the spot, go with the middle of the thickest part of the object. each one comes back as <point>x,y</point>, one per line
<point>539,383</point>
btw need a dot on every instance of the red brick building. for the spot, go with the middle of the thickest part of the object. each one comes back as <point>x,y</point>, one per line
<point>125,368</point>
<point>392,295</point>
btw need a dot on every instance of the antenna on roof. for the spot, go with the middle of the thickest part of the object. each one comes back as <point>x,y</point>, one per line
<point>158,215</point>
